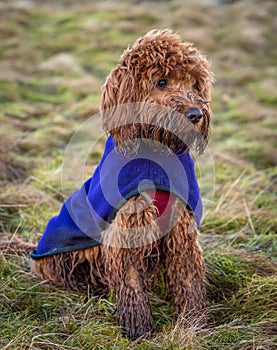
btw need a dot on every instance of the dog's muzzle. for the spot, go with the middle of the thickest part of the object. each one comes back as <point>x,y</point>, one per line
<point>194,115</point>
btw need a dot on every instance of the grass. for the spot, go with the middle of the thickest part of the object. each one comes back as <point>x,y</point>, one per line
<point>43,104</point>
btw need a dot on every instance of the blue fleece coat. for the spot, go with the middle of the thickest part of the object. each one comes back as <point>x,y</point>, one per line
<point>87,213</point>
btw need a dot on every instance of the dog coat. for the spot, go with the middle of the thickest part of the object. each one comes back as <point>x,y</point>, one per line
<point>88,212</point>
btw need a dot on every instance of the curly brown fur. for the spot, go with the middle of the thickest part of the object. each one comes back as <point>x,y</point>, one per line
<point>82,270</point>
<point>127,267</point>
<point>136,106</point>
<point>158,55</point>
<point>184,264</point>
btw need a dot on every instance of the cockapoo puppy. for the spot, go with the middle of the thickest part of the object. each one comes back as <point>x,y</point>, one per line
<point>140,211</point>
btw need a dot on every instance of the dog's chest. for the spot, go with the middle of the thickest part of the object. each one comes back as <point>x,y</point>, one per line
<point>164,201</point>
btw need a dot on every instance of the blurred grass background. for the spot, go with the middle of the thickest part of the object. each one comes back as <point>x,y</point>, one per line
<point>54,57</point>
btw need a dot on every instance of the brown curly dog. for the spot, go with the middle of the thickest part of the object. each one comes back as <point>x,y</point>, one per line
<point>155,106</point>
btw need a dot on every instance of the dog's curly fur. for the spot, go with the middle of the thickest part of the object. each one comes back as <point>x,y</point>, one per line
<point>159,55</point>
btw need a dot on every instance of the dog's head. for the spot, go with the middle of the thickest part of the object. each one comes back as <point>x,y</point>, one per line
<point>166,86</point>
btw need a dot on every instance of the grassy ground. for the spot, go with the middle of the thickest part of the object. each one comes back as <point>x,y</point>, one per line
<point>54,58</point>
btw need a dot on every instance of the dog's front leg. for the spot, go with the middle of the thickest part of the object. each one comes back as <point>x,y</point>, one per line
<point>184,265</point>
<point>133,306</point>
<point>128,243</point>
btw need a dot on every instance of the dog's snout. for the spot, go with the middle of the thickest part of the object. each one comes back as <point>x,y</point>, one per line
<point>194,115</point>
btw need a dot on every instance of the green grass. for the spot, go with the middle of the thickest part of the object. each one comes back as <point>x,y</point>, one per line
<point>43,102</point>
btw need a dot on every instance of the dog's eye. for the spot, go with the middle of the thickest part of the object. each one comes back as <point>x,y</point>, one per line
<point>162,84</point>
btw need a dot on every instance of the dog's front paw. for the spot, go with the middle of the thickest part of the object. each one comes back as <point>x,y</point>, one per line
<point>134,315</point>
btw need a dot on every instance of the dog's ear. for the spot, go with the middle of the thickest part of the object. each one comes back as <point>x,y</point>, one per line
<point>117,90</point>
<point>206,80</point>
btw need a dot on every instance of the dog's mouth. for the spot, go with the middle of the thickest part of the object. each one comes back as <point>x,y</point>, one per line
<point>167,138</point>
<point>149,122</point>
<point>130,138</point>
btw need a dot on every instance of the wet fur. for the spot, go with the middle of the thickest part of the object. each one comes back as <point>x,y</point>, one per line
<point>126,270</point>
<point>157,55</point>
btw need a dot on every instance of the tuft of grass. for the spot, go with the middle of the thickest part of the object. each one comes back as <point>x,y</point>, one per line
<point>24,210</point>
<point>229,270</point>
<point>256,301</point>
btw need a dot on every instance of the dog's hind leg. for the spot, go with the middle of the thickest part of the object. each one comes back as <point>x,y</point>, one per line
<point>81,270</point>
<point>129,243</point>
<point>184,265</point>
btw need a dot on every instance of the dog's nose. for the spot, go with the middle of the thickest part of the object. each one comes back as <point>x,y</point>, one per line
<point>194,115</point>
